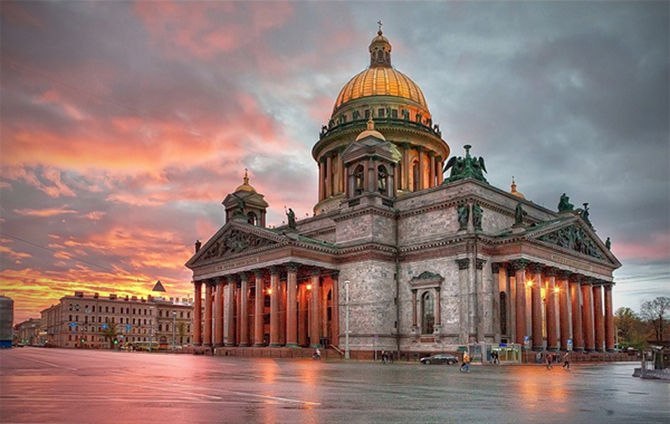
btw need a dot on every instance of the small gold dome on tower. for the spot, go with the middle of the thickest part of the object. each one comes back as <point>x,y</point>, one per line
<point>245,186</point>
<point>514,192</point>
<point>370,131</point>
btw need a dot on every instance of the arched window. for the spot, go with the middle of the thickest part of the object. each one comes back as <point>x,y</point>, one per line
<point>427,313</point>
<point>252,219</point>
<point>415,175</point>
<point>503,312</point>
<point>382,179</point>
<point>358,180</point>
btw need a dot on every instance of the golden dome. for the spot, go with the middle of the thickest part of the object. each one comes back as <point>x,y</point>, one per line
<point>381,79</point>
<point>245,186</point>
<point>514,192</point>
<point>370,132</point>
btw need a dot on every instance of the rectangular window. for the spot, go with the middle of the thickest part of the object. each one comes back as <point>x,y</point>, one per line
<point>380,112</point>
<point>394,113</point>
<point>113,309</point>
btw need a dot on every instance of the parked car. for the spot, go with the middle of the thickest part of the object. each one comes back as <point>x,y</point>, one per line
<point>440,358</point>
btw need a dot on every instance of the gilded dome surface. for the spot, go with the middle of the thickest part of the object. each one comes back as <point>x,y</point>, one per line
<point>380,81</point>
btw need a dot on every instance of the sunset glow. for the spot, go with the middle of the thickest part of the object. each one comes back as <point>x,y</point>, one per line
<point>124,125</point>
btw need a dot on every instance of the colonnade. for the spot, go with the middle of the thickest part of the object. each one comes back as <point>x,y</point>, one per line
<point>551,308</point>
<point>288,305</point>
<point>419,168</point>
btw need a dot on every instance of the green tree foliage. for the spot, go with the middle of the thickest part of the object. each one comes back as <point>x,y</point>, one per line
<point>631,329</point>
<point>110,333</point>
<point>656,312</point>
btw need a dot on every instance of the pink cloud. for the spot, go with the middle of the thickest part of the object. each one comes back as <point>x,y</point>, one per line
<point>205,30</point>
<point>656,247</point>
<point>44,213</point>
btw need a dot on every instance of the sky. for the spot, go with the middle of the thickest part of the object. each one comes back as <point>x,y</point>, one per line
<point>123,125</point>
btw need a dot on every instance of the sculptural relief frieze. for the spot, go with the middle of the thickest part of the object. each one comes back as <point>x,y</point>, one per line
<point>234,242</point>
<point>574,238</point>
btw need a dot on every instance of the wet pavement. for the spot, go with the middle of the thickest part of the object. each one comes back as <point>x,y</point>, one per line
<point>84,386</point>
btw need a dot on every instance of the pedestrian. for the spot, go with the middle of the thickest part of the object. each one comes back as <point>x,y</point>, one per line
<point>495,358</point>
<point>317,354</point>
<point>547,360</point>
<point>384,357</point>
<point>566,360</point>
<point>465,366</point>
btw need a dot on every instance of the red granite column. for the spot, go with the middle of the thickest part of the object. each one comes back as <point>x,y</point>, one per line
<point>577,328</point>
<point>587,316</point>
<point>314,335</point>
<point>197,313</point>
<point>438,307</point>
<point>495,300</point>
<point>244,309</point>
<point>335,321</point>
<point>274,306</point>
<point>564,306</point>
<point>218,312</point>
<point>291,295</point>
<point>536,299</point>
<point>230,311</point>
<point>609,318</point>
<point>552,333</point>
<point>520,300</point>
<point>208,314</point>
<point>598,322</point>
<point>258,308</point>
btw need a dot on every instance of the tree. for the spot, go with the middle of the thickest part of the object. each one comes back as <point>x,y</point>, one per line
<point>630,328</point>
<point>656,312</point>
<point>109,332</point>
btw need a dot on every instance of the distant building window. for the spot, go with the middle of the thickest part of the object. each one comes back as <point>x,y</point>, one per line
<point>394,113</point>
<point>380,112</point>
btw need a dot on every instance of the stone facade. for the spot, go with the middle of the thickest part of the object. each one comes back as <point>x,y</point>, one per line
<point>420,263</point>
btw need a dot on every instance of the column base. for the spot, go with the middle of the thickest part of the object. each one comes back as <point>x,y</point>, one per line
<point>292,345</point>
<point>243,345</point>
<point>275,345</point>
<point>259,344</point>
<point>611,350</point>
<point>537,348</point>
<point>229,344</point>
<point>315,346</point>
<point>218,345</point>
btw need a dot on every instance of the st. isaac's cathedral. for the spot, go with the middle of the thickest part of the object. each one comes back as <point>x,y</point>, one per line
<point>409,250</point>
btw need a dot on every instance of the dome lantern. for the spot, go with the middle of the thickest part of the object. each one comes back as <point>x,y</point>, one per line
<point>380,50</point>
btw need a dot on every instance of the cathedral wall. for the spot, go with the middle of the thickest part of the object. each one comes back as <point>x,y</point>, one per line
<point>372,311</point>
<point>431,225</point>
<point>366,227</point>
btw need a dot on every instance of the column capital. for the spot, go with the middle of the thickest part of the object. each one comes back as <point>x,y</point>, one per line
<point>480,263</point>
<point>258,273</point>
<point>495,267</point>
<point>519,264</point>
<point>231,279</point>
<point>244,276</point>
<point>535,267</point>
<point>197,283</point>
<point>217,280</point>
<point>335,274</point>
<point>563,274</point>
<point>576,278</point>
<point>463,263</point>
<point>550,271</point>
<point>292,266</point>
<point>588,281</point>
<point>274,270</point>
<point>315,272</point>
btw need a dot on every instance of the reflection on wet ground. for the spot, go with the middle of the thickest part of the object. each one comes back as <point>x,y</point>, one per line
<point>79,386</point>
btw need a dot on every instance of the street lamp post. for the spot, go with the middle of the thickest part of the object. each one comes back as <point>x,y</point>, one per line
<point>174,319</point>
<point>346,319</point>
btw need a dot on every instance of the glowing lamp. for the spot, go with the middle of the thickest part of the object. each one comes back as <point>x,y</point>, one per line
<point>309,287</point>
<point>269,291</point>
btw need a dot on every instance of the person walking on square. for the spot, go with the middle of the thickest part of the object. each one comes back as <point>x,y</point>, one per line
<point>547,360</point>
<point>566,360</point>
<point>465,366</point>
